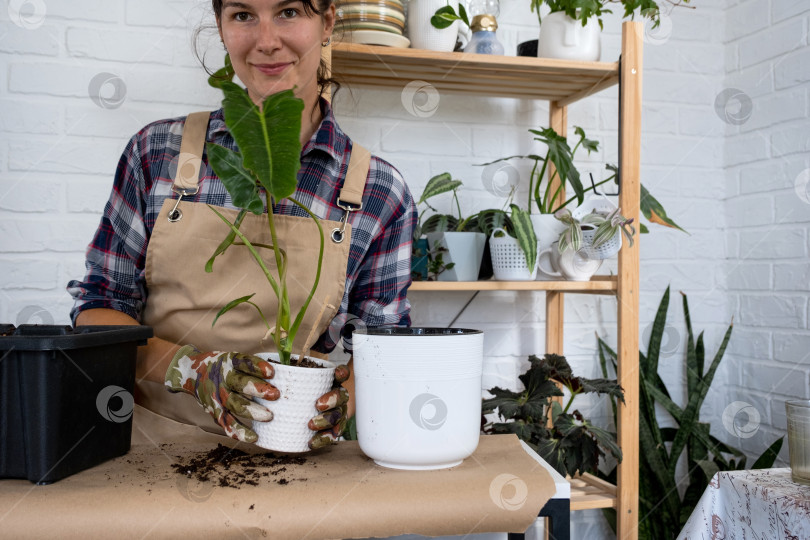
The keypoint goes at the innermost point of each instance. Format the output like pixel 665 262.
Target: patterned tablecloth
pixel 759 504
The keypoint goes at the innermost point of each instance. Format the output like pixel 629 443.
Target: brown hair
pixel 324 80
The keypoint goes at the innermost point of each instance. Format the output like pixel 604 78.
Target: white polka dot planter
pixel 299 388
pixel 418 395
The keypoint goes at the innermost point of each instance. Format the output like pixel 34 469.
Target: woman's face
pixel 274 45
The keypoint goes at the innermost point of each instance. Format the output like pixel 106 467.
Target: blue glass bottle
pixel 484 40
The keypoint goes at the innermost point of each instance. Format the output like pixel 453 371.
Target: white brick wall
pixel 731 186
pixel 767 214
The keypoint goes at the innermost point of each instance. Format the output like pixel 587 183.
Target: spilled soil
pixel 228 467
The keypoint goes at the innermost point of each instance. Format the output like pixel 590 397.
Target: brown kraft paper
pixel 337 493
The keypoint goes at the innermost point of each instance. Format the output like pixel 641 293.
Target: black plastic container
pixel 65 397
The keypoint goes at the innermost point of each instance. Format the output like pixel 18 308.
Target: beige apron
pixel 183 299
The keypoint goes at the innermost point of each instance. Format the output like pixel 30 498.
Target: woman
pixel 142 269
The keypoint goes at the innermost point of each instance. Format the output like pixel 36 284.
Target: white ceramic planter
pixel 418 395
pixel 422 34
pixel 548 229
pixel 292 411
pixel 565 38
pixel 465 249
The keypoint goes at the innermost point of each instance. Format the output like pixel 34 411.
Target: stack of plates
pixel 374 22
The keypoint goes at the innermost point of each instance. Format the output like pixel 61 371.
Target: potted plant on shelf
pixel 454 245
pixel 268 138
pixel 599 234
pixel 571 30
pixel 544 202
pixel 563 437
pixel 434 25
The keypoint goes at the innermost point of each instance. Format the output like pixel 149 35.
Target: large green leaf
pixel 267 137
pixel 659 325
pixel 440 223
pixel 524 232
pixel 440 183
pixel 240 182
pixel 560 154
pixel 653 210
pixel 689 418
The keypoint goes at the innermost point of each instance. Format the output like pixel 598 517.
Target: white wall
pixel 730 186
pixel 767 170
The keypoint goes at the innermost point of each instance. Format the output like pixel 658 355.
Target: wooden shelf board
pixel 597 285
pixel 589 492
pixel 519 76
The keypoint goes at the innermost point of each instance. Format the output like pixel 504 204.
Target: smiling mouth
pixel 272 69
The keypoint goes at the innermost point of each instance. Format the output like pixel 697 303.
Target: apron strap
pixel 187 177
pixel 356 174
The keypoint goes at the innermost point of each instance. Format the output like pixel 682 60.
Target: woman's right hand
pixel 221 382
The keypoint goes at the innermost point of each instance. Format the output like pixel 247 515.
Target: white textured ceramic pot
pixel 299 388
pixel 565 38
pixel 424 35
pixel 548 229
pixel 464 249
pixel 418 395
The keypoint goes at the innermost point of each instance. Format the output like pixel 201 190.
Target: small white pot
pixel 292 411
pixel 424 35
pixel 548 229
pixel 508 260
pixel 565 38
pixel 465 249
pixel 418 395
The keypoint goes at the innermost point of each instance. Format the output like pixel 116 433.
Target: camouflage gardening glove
pixel 222 383
pixel 330 423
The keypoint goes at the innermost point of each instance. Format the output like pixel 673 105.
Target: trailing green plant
pixel 446 15
pixel 662 510
pixel 606 227
pixel 268 138
pixel 569 443
pixel 584 10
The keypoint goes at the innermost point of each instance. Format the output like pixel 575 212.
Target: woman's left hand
pixel 330 423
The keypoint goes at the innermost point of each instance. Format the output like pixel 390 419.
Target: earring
pixel 327 42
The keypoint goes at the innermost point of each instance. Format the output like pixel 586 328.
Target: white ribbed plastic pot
pixel 418 395
pixel 299 388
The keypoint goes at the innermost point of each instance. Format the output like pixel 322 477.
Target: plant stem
pixel 281 320
pixel 563 205
pixel 537 199
pixel 531 185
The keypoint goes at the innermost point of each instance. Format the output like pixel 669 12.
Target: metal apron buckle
pixel 339 233
pixel 175 214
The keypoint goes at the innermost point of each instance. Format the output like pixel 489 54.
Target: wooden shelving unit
pixel 562 83
pixel 597 285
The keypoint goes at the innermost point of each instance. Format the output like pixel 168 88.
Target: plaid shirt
pixel 378 273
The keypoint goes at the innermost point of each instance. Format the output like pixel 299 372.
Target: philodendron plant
pixel 268 137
